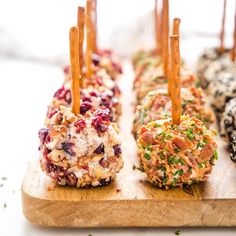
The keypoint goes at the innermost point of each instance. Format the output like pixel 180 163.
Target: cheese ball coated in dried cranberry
pixel 80 150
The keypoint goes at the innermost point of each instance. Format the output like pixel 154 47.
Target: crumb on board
pixel 177 232
pixel 118 190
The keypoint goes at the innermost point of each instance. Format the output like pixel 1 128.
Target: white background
pixel 34 46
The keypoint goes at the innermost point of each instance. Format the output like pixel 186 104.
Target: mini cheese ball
pixel 157 105
pixel 222 89
pixel 143 59
pixel 103 60
pixel 90 98
pixel 153 79
pixel 173 155
pixel 99 81
pixel 80 151
pixel 228 127
pixel 212 62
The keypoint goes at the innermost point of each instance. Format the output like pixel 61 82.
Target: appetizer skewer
pixel 176 151
pixel 80 150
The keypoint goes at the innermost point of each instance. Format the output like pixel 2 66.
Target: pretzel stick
pixel 159 32
pixel 176 23
pixel 75 71
pixel 94 25
pixel 165 51
pixel 222 33
pixel 80 25
pixel 156 23
pixel 234 40
pixel 88 39
pixel 176 83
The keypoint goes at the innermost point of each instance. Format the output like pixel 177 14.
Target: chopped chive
pixel 177 232
pixel 180 172
pixel 147 156
pixel 215 155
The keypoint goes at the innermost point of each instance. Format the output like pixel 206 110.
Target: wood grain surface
pixel 130 201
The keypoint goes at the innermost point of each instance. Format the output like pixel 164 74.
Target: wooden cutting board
pixel 130 201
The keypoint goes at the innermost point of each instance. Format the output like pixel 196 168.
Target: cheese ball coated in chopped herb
pixel 80 151
pixel 173 155
pixel 157 105
pixel 153 78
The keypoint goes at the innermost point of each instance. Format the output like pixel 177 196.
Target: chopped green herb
pixel 4 205
pixel 205 140
pixel 177 232
pixel 147 156
pixel 163 168
pixel 164 180
pixel 156 125
pixel 189 133
pixel 180 172
pixel 4 178
pixel 171 160
pixel 161 154
pixel 200 165
pixel 149 147
pixel 215 155
pixel 201 144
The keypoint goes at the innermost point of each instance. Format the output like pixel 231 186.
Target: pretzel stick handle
pixel 75 71
pixel 88 39
pixel 165 52
pixel 234 38
pixel 175 31
pixel 176 23
pixel 94 26
pixel 176 82
pixel 80 25
pixel 222 33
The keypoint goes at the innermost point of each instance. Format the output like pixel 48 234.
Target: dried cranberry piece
pixel 103 113
pixel 100 149
pixel 105 102
pixel 98 124
pixel 98 80
pixel 67 96
pixel 63 94
pixel 50 115
pixel 86 99
pixel 85 167
pixel 80 125
pixel 66 69
pixel 96 59
pixel 117 149
pixel 84 107
pixel 68 148
pixel 42 134
pixel 117 67
pixel 46 151
pixel 93 94
pixel 71 179
pixel 53 168
pixel 116 90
